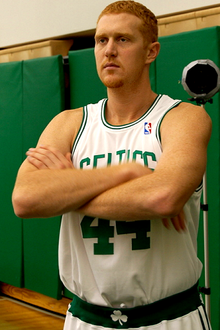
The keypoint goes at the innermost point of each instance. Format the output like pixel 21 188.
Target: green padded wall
pixel 43 92
pixel 31 94
pixel 10 158
pixel 177 51
pixel 85 86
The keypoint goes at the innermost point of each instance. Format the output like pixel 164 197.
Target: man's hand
pixel 178 222
pixel 47 157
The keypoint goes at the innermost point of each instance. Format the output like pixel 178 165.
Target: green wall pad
pixel 43 99
pixel 31 94
pixel 178 51
pixel 10 157
pixel 85 85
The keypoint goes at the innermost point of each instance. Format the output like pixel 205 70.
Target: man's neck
pixel 126 107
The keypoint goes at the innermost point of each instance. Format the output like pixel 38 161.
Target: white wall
pixel 25 21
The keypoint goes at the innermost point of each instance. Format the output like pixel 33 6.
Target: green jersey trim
pixel 81 129
pixel 158 136
pixel 200 187
pixel 119 127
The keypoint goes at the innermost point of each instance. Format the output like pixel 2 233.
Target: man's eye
pixel 101 41
pixel 123 39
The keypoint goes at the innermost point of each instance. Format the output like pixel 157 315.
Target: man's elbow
pixel 21 204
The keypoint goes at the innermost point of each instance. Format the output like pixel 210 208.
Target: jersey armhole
pixel 158 136
pixel 81 129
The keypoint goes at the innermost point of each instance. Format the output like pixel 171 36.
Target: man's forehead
pixel 118 22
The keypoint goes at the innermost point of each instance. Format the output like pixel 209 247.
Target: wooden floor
pixel 15 315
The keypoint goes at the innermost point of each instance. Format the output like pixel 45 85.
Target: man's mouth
pixel 110 65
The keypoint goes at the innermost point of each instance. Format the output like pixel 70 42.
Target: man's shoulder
pixel 68 117
pixel 191 109
pixel 70 113
pixel 63 127
pixel 190 116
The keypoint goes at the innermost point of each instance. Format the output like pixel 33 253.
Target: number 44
pixel 104 231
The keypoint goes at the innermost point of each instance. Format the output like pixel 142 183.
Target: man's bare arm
pixel 52 190
pixel 47 193
pixel 163 193
pixel 46 157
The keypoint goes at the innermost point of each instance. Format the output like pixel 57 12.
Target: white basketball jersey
pixel 114 263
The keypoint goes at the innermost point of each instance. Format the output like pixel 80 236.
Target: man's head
pixel 125 44
pixel 148 27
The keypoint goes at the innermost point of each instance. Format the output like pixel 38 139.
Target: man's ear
pixel 152 52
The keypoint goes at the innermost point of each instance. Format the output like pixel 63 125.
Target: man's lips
pixel 110 65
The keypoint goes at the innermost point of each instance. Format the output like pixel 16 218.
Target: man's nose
pixel 111 49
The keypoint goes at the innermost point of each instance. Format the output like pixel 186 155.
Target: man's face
pixel 119 50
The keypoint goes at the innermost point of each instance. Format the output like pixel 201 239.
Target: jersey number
pixel 103 232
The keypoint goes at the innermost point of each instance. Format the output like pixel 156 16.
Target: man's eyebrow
pixel 115 35
pixel 100 35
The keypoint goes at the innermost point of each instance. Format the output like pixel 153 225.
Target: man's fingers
pixel 41 155
pixel 49 157
pixel 38 164
pixel 181 220
pixel 69 158
pixel 166 223
pixel 178 222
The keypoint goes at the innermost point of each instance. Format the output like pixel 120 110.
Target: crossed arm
pixel 46 157
pixel 56 188
pixel 123 192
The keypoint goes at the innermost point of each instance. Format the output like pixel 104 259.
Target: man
pixel 126 173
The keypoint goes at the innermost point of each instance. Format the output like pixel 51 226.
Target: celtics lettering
pixel 145 157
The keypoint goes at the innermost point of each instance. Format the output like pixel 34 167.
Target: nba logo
pixel 147 128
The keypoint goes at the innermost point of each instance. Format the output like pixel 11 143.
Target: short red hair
pixel 149 27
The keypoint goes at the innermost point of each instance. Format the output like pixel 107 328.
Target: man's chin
pixel 111 82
